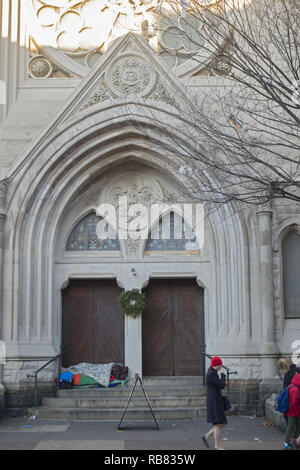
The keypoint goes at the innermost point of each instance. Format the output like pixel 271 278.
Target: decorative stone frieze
pixel 160 93
pixel 101 94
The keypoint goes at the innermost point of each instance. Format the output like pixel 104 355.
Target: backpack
pixel 63 384
pixel 282 400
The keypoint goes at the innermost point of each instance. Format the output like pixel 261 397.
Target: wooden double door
pixel 92 323
pixel 173 328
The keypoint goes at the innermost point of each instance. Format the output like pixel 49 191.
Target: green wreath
pixel 133 302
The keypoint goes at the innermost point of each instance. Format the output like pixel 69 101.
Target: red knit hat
pixel 216 361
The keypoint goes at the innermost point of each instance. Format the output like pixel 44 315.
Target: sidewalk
pixel 241 433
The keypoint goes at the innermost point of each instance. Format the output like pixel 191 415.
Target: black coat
pixel 215 406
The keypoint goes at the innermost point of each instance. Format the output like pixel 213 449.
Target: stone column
pixel 132 278
pixel 3 193
pixel 268 348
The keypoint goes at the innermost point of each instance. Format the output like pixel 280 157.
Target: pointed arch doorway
pixel 173 328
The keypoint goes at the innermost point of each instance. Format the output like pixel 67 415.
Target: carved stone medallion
pixel 130 74
pixel 40 67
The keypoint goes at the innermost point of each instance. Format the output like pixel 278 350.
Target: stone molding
pixel 3 195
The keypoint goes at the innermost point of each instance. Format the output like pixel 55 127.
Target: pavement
pixel 241 433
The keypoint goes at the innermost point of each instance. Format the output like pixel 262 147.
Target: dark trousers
pixel 293 429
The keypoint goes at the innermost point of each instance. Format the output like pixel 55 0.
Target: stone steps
pixel 118 392
pixel 115 414
pixel 140 402
pixel 171 398
pixel 172 381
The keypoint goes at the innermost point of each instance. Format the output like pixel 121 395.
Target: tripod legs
pixel 137 378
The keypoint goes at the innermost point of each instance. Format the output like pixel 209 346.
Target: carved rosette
pixel 221 65
pixel 3 195
pixel 40 67
pixel 130 74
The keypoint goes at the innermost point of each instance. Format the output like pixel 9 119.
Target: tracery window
pixel 84 237
pixel 178 236
pixel 291 274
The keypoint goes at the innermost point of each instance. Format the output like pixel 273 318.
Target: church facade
pixel 69 144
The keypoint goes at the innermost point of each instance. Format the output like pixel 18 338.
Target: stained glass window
pixel 84 237
pixel 291 274
pixel 172 234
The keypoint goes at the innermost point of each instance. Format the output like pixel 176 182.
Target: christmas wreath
pixel 133 302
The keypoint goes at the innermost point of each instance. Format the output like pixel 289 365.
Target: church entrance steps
pixel 140 402
pixel 170 398
pixel 172 380
pixel 115 414
pixel 124 393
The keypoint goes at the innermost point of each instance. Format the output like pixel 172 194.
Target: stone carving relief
pixel 140 86
pixel 130 74
pixel 160 93
pixel 137 189
pixel 40 67
pixel 221 65
pixel 74 34
pixel 101 94
pixel 132 246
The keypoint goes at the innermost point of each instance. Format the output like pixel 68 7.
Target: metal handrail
pixel 36 380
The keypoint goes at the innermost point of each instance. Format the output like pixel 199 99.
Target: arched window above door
pixel 291 274
pixel 172 234
pixel 84 237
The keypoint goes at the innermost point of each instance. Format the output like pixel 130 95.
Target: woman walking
pixel 215 404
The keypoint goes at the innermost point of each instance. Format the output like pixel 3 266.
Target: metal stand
pixel 137 378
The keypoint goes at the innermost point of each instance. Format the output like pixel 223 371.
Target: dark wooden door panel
pixel 108 332
pixel 77 333
pixel 157 340
pixel 173 328
pixel 92 323
pixel 189 329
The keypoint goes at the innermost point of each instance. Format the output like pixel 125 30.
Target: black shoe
pixel 205 441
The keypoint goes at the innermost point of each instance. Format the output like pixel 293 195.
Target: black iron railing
pixel 35 375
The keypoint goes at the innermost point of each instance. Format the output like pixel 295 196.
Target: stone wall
pixel 20 385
